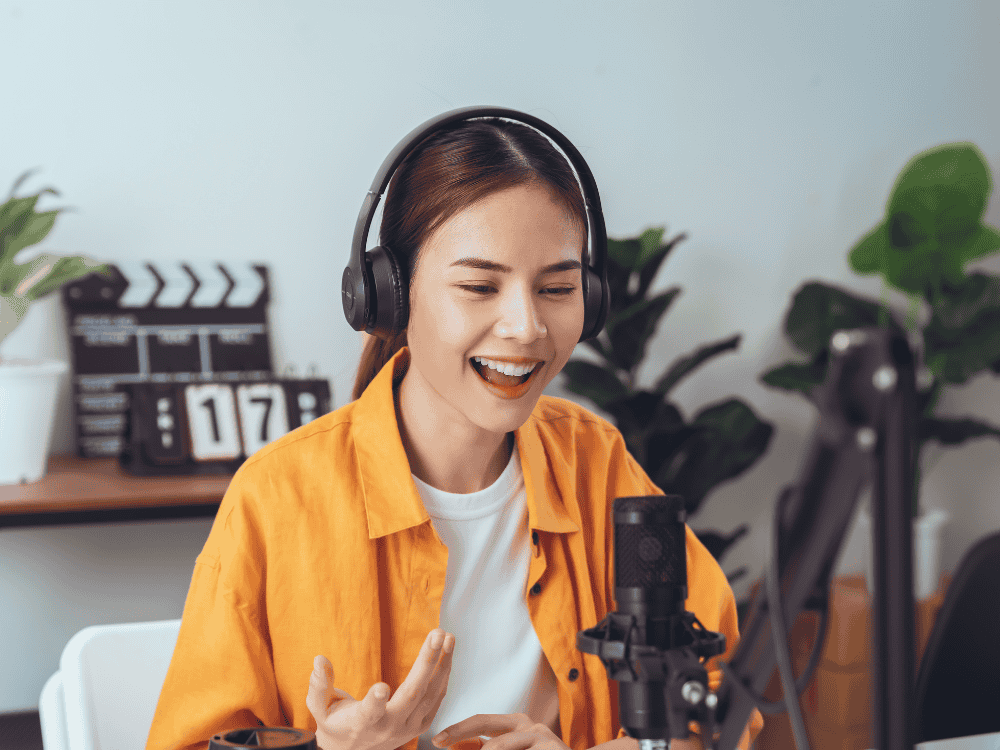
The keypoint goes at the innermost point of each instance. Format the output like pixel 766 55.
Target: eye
pixel 483 289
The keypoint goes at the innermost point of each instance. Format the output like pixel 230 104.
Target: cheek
pixel 449 317
pixel 443 325
pixel 566 323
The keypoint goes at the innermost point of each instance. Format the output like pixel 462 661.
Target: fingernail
pixel 316 663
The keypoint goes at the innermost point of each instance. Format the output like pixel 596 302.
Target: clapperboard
pixel 172 367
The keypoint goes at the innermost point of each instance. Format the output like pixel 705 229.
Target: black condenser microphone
pixel 649 645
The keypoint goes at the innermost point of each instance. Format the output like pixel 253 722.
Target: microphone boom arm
pixel 864 436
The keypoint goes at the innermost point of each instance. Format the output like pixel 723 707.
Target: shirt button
pixel 534 538
pixel 573 674
pixel 536 589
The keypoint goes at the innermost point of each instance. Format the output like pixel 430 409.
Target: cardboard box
pixel 837 703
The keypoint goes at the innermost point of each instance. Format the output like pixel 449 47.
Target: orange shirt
pixel 322 545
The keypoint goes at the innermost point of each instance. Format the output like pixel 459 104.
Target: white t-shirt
pixel 498 666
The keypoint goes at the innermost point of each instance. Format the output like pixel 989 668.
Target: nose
pixel 519 317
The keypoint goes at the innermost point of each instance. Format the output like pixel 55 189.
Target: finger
pixel 415 685
pixel 438 686
pixel 490 725
pixel 375 701
pixel 319 697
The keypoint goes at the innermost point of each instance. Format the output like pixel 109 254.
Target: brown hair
pixel 449 171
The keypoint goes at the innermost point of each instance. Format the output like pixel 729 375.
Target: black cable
pixel 777 617
pixel 778 707
pixel 766 706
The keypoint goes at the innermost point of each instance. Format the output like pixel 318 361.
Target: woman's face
pixel 483 287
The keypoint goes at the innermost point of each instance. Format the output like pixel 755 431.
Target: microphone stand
pixel 864 436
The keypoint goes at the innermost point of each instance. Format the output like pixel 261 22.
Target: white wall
pixel 770 132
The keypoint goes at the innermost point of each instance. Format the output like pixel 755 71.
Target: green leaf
pixel 798 377
pixel 686 365
pixel 636 414
pixel 732 439
pixel 975 353
pixel 15 208
pixel 32 272
pixel 651 264
pixel 963 336
pixel 954 431
pixel 664 446
pixel 978 294
pixel 32 231
pixel 649 244
pixel 625 253
pixel 64 270
pixel 600 384
pixel 818 311
pixel 630 331
pixel 618 278
pixel 19 181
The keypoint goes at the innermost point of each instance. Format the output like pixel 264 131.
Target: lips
pixel 504 386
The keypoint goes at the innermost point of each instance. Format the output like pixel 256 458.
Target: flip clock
pixel 212 427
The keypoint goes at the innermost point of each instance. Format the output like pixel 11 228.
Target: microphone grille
pixel 650 545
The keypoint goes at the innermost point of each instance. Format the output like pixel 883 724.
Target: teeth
pixel 505 367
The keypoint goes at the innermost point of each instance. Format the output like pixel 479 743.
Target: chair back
pixel 958 683
pixel 112 676
pixel 52 714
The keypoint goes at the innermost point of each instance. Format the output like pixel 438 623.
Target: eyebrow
pixel 488 265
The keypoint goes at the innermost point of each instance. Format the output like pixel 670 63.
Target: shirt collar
pixel 392 501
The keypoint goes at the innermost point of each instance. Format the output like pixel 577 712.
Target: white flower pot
pixel 927 530
pixel 28 390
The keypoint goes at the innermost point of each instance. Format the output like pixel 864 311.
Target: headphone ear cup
pixel 595 306
pixel 391 292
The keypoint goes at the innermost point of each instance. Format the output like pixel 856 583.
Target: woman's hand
pixel 377 722
pixel 508 732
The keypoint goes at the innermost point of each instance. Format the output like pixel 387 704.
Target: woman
pixel 435 545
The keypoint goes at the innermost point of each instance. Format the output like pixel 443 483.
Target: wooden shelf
pixel 97 490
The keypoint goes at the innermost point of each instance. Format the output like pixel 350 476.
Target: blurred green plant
pixel 932 229
pixel 21 284
pixel 688 458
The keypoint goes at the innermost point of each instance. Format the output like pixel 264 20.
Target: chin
pixel 491 419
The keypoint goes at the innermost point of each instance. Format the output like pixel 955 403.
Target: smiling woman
pixel 419 559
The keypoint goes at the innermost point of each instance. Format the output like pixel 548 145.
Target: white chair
pixel 104 695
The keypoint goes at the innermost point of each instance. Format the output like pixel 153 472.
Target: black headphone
pixel 379 286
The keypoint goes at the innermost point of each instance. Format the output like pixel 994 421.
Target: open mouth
pixel 493 377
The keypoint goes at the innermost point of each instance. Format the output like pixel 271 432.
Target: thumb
pixel 322 694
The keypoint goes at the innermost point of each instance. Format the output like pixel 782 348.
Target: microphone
pixel 650 576
pixel 650 645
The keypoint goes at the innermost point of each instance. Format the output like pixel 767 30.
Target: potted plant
pixel 684 457
pixel 28 387
pixel 932 229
